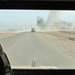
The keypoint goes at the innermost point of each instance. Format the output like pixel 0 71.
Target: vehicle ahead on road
pixel 33 30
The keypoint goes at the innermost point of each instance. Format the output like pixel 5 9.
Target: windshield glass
pixel 38 38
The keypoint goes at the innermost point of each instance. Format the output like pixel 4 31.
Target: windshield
pixel 38 38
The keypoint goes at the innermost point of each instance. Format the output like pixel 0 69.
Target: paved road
pixel 22 48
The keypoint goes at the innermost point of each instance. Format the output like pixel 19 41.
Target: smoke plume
pixel 54 22
pixel 41 23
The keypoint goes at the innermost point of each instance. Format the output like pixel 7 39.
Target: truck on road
pixel 33 30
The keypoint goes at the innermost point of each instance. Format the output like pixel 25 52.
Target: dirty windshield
pixel 38 38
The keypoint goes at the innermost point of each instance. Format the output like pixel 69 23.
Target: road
pixel 23 47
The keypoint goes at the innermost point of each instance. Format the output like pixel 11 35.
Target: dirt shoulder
pixel 6 33
pixel 63 39
pixel 63 35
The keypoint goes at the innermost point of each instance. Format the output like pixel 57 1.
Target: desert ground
pixel 64 38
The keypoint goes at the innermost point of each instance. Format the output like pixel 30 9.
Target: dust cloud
pixel 53 22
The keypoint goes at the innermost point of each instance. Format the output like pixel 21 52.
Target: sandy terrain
pixel 6 33
pixel 65 39
pixel 63 35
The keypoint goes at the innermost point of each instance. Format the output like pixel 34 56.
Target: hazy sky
pixel 25 19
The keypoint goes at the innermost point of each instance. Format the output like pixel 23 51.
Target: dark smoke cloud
pixel 54 22
pixel 52 18
pixel 41 23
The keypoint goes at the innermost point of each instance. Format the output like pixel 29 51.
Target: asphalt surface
pixel 25 47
